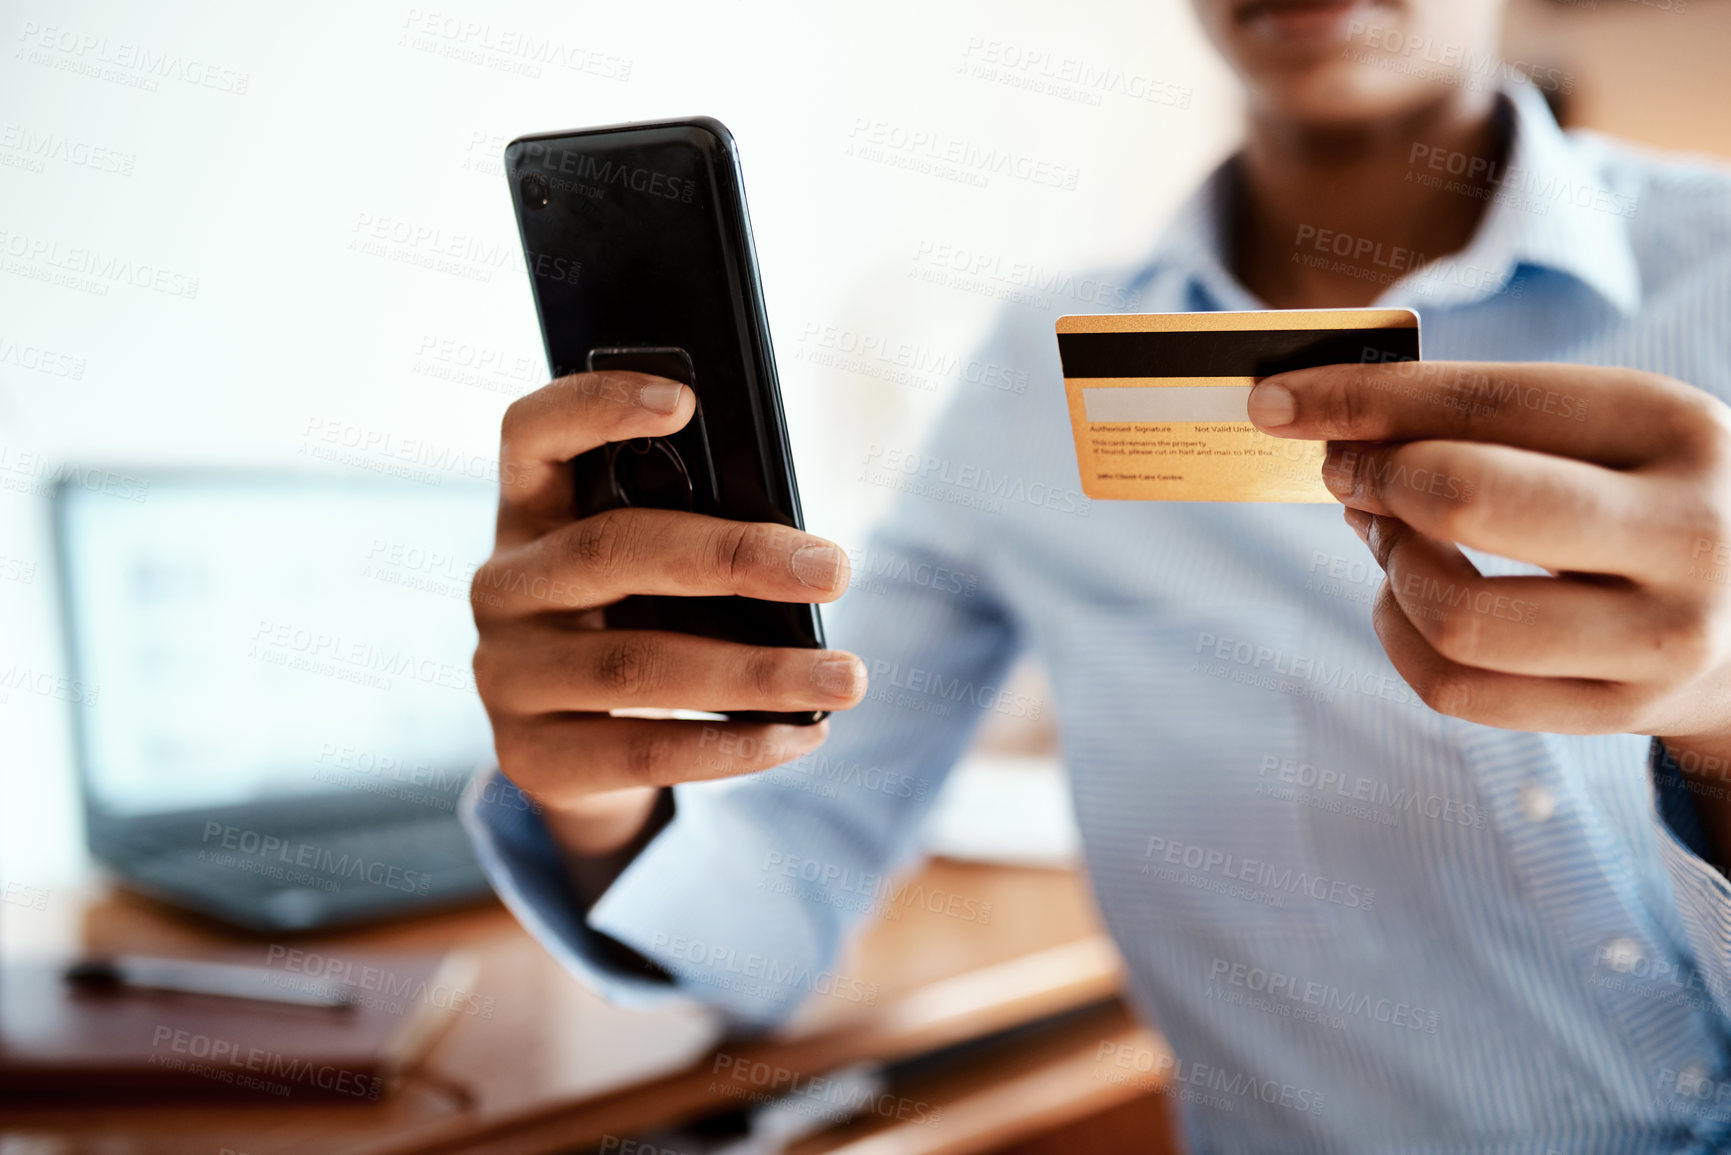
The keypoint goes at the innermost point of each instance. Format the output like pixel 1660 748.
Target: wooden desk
pixel 555 1068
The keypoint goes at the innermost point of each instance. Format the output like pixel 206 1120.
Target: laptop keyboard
pixel 313 876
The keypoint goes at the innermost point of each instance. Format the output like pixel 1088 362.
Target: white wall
pixel 264 138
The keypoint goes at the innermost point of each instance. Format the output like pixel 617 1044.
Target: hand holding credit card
pixel 1157 400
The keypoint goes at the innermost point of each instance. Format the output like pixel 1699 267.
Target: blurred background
pixel 296 238
pixel 296 197
pixel 277 240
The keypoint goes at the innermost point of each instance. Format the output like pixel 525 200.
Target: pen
pixel 223 980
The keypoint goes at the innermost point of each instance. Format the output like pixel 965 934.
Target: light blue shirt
pixel 1361 925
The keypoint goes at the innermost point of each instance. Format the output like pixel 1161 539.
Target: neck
pixel 1330 217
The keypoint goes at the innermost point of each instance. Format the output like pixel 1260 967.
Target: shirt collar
pixel 1551 210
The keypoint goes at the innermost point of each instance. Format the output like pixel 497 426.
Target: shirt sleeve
pixel 745 895
pixel 521 861
pixel 1703 894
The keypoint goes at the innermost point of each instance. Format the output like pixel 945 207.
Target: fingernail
pixel 818 566
pixel 791 742
pixel 1337 474
pixel 838 674
pixel 661 396
pixel 1272 406
pixel 1360 523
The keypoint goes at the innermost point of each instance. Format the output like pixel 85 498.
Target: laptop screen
pixel 238 638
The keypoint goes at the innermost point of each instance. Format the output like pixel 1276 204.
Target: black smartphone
pixel 639 252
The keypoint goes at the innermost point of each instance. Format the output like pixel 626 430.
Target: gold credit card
pixel 1157 400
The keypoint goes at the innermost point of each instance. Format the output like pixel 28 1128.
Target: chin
pixel 1335 62
pixel 1343 94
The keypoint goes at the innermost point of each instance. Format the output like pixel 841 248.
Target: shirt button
pixel 1623 954
pixel 1538 801
pixel 1691 1077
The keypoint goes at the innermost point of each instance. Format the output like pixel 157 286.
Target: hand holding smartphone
pixel 649 549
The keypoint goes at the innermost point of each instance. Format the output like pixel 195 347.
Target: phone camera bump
pixel 533 188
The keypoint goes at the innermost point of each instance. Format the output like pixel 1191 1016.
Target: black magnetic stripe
pixel 1230 352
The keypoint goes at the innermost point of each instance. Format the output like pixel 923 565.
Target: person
pixel 1424 860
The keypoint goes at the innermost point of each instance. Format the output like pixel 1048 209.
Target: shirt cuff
pixel 707 901
pixel 523 864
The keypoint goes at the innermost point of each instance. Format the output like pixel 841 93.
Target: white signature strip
pixel 1167 403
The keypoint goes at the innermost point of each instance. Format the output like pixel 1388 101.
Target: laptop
pixel 272 703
